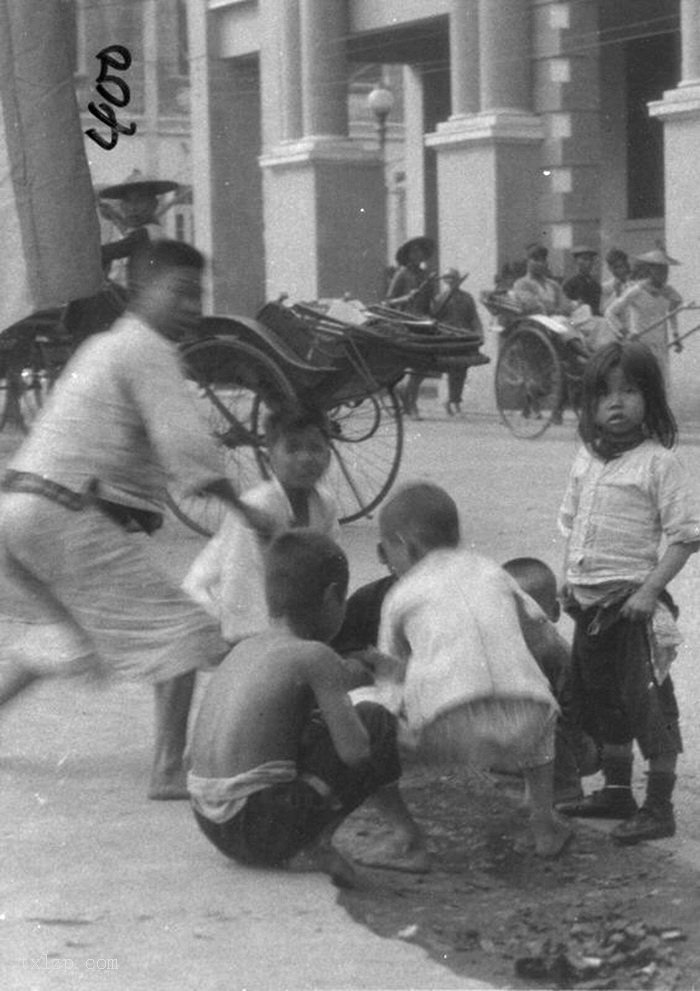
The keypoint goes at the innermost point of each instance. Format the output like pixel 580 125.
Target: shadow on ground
pixel 600 916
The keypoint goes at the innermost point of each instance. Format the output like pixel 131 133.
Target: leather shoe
pixel 649 823
pixel 607 803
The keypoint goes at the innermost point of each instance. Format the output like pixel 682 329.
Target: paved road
pixel 94 873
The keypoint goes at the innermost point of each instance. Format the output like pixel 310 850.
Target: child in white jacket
pixel 464 637
pixel 227 577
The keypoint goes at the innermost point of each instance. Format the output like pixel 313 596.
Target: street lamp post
pixel 380 101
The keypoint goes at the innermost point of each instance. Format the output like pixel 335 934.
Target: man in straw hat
pixel 457 308
pixel 136 216
pixel 647 308
pixel 411 289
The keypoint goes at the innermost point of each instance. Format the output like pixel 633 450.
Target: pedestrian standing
pixel 646 308
pixel 618 263
pixel 118 424
pixel 457 308
pixel 583 287
pixel 631 524
pixel 411 290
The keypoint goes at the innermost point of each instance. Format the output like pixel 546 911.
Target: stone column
pixel 566 96
pixel 289 54
pixel 488 152
pixel 464 57
pixel 323 67
pixel 505 50
pixel 690 43
pixel 317 182
pixel 679 110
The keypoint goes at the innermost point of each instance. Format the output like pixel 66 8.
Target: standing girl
pixel 631 525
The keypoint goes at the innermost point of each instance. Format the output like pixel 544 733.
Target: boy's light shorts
pixel 80 593
pixel 504 734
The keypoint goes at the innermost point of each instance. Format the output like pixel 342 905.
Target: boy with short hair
pixel 467 686
pixel 227 577
pixel 271 777
pixel 576 754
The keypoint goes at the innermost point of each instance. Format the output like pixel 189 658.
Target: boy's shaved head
pixel 538 580
pixel 299 567
pixel 424 513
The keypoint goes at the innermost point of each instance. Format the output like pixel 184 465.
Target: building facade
pixel 154 33
pixel 555 120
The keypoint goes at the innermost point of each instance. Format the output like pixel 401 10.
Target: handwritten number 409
pixel 115 91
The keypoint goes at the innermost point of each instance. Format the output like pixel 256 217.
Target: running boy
pixel 271 776
pixel 227 577
pixel 466 684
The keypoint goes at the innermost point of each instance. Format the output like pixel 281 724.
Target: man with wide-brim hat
pixel 456 307
pixel 583 287
pixel 425 245
pixel 656 257
pixel 136 216
pixel 647 309
pixel 411 290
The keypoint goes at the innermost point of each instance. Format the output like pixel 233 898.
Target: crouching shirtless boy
pixel 279 754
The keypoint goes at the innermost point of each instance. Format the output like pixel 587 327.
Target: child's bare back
pixel 265 693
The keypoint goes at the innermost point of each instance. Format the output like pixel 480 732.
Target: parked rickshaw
pixel 239 368
pixel 539 370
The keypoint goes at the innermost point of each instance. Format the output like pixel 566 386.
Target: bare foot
pixel 397 856
pixel 551 836
pixel 326 860
pixel 168 787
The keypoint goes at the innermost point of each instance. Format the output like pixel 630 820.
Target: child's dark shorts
pixel 277 822
pixel 615 686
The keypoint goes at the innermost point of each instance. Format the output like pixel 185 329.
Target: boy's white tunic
pixel 227 577
pixel 457 626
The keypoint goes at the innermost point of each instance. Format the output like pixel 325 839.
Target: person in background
pixel 536 291
pixel 411 290
pixel 135 216
pixel 583 287
pixel 618 263
pixel 457 308
pixel 646 308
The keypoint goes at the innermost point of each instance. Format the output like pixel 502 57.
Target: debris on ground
pixel 600 916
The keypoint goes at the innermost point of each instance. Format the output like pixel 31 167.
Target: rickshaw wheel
pixel 366 448
pixel 234 385
pixel 367 443
pixel 528 381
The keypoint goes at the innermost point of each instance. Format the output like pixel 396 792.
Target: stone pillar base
pixel 489 182
pixel 325 231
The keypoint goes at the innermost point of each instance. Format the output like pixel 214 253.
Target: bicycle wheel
pixel 528 381
pixel 367 443
pixel 233 385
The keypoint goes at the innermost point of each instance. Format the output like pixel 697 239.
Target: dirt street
pixel 94 873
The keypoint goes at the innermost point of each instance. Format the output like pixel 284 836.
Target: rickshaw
pixel 539 370
pixel 344 357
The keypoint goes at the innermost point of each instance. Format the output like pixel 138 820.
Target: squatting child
pixel 227 577
pixel 576 755
pixel 279 755
pixel 466 684
pixel 632 523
